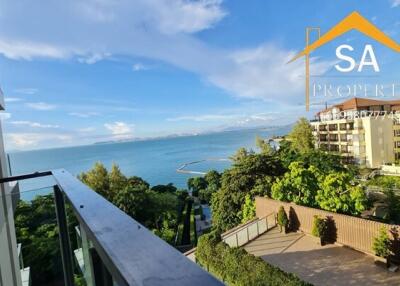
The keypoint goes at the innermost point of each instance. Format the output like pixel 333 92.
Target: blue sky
pixel 78 72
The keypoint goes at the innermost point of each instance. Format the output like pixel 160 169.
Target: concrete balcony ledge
pixel 26 276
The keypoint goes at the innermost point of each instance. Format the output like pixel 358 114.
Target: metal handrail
pixel 122 250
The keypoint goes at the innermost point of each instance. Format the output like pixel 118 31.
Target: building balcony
pixel 114 248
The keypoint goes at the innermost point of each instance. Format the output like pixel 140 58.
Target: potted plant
pixel 282 219
pixel 320 228
pixel 381 245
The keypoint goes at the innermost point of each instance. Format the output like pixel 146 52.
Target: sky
pixel 79 72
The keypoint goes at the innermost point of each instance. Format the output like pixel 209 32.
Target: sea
pixel 155 160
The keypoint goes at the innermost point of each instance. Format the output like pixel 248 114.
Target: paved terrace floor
pixel 320 265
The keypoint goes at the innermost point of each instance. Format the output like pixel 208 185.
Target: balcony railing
pixel 116 249
pixel 244 233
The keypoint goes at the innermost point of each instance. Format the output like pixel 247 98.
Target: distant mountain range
pixel 225 129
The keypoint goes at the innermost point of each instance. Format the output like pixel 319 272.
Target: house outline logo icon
pixel 354 21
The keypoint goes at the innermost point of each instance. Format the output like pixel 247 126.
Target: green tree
pixel 240 154
pixel 262 186
pixel 323 161
pixel 135 181
pixel 301 136
pixel 132 200
pixel 381 244
pixel 97 179
pixel 338 195
pixel 213 179
pixel 393 206
pixel 117 180
pixel 196 184
pixel 249 209
pixel 206 194
pixel 170 188
pixel 298 185
pixel 264 146
pixel 166 231
pixel 237 182
pixel 287 154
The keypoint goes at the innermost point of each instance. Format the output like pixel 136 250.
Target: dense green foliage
pixel 249 209
pixel 236 267
pixel 296 172
pixel 204 187
pixel 196 184
pixel 250 173
pixel 264 146
pixel 309 186
pixel 323 161
pixel 36 229
pixel 157 208
pixel 385 182
pixel 338 195
pixel 282 219
pixel 298 185
pixel 390 186
pixel 381 244
pixel 301 136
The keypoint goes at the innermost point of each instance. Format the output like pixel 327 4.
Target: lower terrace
pixel 320 265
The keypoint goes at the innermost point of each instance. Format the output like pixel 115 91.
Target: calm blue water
pixel 155 161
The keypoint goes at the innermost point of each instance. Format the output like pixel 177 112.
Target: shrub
pixel 320 227
pixel 381 244
pixel 236 267
pixel 282 218
pixel 249 209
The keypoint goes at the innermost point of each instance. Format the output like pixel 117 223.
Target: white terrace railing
pixel 248 231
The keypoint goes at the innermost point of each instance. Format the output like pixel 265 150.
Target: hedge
pixel 235 266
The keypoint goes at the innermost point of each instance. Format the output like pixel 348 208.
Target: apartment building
pixel 363 131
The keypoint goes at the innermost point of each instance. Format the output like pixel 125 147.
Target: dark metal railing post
pixel 66 254
pixel 102 276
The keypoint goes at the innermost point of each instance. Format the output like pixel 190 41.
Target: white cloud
pixel 186 16
pixel 83 114
pixel 395 3
pixel 30 139
pixel 26 90
pixel 139 67
pixel 120 130
pixel 98 28
pixel 41 106
pixel 160 30
pixel 263 72
pixel 33 124
pixel 28 50
pixel 93 58
pixel 12 99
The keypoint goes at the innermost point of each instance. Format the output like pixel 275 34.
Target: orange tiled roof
pixel 357 102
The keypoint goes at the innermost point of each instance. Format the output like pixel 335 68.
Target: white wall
pixel 379 141
pixel 10 274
